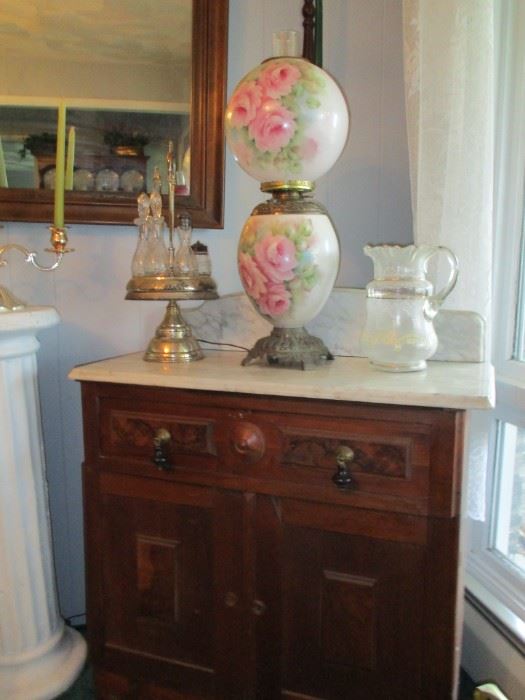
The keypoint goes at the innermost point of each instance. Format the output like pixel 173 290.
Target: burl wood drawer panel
pixel 129 430
pixel 250 441
pixel 387 456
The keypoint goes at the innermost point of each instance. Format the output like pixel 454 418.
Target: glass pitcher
pixel 399 334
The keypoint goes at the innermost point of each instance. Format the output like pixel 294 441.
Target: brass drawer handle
pixel 160 443
pixel 342 477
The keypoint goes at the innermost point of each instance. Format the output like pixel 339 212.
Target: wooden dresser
pixel 255 533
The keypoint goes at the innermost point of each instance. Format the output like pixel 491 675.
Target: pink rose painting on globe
pixel 244 104
pixel 276 264
pixel 287 120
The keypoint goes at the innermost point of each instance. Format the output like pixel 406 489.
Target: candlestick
pixel 70 158
pixel 3 172
pixel 60 167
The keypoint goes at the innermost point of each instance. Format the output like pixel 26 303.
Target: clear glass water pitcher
pixel 399 333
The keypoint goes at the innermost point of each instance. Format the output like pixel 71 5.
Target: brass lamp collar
pixel 288 186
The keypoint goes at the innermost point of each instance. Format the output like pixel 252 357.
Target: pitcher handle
pixel 438 298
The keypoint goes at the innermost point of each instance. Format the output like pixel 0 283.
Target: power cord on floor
pixel 69 620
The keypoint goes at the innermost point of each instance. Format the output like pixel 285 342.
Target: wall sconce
pixel 58 239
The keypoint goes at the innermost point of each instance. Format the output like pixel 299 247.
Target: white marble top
pixel 231 319
pixel 461 385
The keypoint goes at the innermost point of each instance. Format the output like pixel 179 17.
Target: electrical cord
pixel 229 345
pixel 241 347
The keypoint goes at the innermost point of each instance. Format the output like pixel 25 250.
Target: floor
pixel 83 688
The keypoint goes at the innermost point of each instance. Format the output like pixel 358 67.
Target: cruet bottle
pixel 156 258
pixel 185 262
pixel 137 262
pixel 401 304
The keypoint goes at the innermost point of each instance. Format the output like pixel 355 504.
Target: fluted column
pixel 39 656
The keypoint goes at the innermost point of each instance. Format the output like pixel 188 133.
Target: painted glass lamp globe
pixel 286 125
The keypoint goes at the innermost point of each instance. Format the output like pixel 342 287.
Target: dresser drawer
pixel 267 444
pixel 384 457
pixel 156 438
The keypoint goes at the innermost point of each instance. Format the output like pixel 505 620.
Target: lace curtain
pixel 449 88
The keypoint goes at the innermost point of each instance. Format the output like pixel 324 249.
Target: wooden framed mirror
pixel 196 121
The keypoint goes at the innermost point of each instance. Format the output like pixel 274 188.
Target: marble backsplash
pixel 231 319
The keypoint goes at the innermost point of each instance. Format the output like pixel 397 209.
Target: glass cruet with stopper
pixel 137 262
pixel 185 262
pixel 156 259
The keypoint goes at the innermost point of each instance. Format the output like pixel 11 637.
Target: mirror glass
pixel 127 73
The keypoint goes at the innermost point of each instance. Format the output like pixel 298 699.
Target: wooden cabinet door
pixel 352 604
pixel 154 553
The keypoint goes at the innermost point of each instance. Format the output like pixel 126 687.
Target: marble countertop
pixel 464 385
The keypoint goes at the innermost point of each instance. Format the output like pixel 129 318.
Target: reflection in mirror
pixel 114 150
pixel 128 72
pixel 75 53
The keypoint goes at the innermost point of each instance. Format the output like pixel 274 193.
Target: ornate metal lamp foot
pixel 173 340
pixel 289 347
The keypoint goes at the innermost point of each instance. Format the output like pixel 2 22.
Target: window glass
pixel 508 537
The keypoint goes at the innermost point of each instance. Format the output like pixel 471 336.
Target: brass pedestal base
pixel 173 340
pixel 289 347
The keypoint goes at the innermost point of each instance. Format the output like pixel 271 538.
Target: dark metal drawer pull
pixel 160 443
pixel 342 478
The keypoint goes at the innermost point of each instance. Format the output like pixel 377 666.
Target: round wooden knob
pixel 247 440
pixel 231 599
pixel 258 607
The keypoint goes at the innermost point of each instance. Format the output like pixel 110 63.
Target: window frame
pixel 489 577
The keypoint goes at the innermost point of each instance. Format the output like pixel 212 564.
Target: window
pixel 508 532
pixel 496 561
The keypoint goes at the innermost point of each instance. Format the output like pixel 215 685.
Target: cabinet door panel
pixel 352 621
pixel 157 578
pixel 150 585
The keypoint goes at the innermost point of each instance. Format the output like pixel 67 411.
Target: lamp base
pixel 289 347
pixel 173 340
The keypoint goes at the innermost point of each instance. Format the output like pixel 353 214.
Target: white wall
pixel 367 194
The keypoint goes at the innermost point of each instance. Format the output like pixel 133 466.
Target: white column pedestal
pixel 39 656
